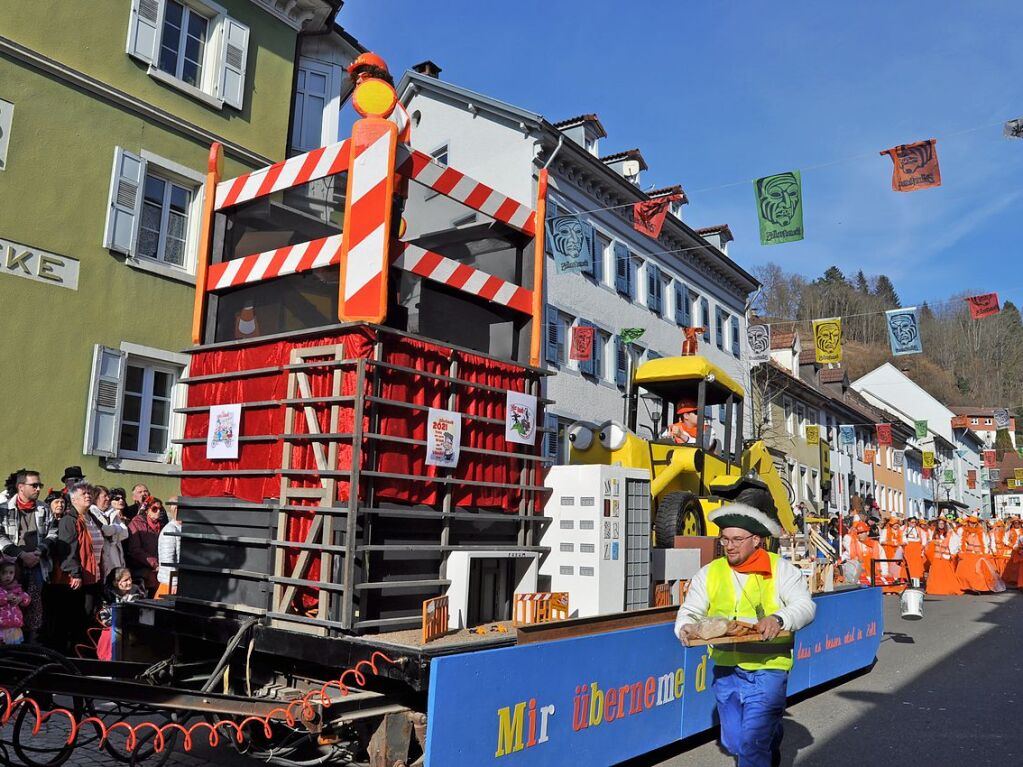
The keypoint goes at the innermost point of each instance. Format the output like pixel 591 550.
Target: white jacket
pixel 168 548
pixel 797 608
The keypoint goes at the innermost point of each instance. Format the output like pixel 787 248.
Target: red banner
pixel 927 473
pixel 983 306
pixel 884 433
pixel 990 459
pixel 915 166
pixel 582 344
pixel 971 479
pixel 648 216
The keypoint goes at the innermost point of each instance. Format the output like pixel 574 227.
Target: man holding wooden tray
pixel 760 600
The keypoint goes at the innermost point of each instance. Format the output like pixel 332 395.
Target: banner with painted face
pixel 571 241
pixel 1001 418
pixel 928 459
pixel 995 475
pixel 813 435
pixel 780 207
pixel 949 477
pixel 759 339
pixel 869 454
pixel 915 166
pixel 827 340
pixel 971 479
pixel 898 458
pixel 581 349
pixel 920 427
pixel 847 436
pixel 884 433
pixel 1018 474
pixel 927 473
pixel 904 331
pixel 990 459
pixel 983 306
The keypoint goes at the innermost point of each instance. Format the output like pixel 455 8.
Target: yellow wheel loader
pixel 686 480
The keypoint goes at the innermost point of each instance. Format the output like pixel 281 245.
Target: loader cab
pixel 665 383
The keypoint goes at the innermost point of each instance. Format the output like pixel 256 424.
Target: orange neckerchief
pixel 759 563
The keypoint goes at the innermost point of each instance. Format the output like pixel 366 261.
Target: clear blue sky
pixel 717 93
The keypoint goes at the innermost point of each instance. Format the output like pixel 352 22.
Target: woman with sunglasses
pixel 143 548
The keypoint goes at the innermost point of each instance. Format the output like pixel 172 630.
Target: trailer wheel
pixel 678 513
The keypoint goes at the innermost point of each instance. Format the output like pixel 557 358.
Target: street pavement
pixel 945 690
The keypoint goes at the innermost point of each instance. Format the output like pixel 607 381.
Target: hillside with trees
pixel 964 362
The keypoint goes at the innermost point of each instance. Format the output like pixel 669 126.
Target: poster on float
pixel 223 431
pixel 443 438
pixel 520 418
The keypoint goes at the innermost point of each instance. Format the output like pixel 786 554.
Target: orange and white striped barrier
pixel 435 618
pixel 455 274
pixel 541 607
pixel 468 191
pixel 295 171
pixel 662 595
pixel 290 259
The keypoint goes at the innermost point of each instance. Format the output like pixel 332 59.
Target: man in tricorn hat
pixel 749 584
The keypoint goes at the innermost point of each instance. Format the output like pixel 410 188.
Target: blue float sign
pixel 605 698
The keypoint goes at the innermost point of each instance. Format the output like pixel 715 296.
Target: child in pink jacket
pixel 12 599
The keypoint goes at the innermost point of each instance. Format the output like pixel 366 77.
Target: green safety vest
pixel 758 592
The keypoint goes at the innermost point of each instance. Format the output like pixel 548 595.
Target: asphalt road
pixel 946 690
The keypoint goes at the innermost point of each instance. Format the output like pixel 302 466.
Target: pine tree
pixel 885 292
pixel 861 283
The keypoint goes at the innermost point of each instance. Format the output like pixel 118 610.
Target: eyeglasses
pixel 33 484
pixel 726 542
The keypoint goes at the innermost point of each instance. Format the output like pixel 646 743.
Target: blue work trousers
pixel 750 707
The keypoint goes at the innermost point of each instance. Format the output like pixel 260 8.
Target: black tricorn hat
pixel 72 472
pixel 747 518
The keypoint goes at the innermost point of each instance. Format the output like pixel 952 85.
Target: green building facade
pixel 107 112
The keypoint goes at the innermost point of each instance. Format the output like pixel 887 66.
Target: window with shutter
pixel 550 437
pixel 705 318
pixel 103 417
pixel 621 362
pixel 600 341
pixel 600 246
pixel 719 329
pixel 193 46
pixel 553 345
pixel 622 269
pixel 654 290
pixel 736 345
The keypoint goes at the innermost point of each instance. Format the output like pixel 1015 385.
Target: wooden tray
pixel 716 641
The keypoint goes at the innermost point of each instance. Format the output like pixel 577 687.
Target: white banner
pixel 443 438
pixel 520 418
pixel 223 431
pixel 759 339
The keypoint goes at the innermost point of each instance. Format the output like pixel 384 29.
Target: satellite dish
pixel 630 168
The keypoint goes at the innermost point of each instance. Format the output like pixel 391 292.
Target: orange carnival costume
pixel 915 538
pixel 863 550
pixel 1001 551
pixel 940 553
pixel 892 539
pixel 976 569
pixel 1014 541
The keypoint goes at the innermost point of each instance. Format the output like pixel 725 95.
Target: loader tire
pixel 678 513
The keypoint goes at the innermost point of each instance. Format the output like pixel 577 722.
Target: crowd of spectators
pixel 67 556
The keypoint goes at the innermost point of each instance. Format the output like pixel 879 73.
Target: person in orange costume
pixel 915 538
pixel 892 540
pixel 683 431
pixel 976 569
pixel 941 556
pixel 1012 539
pixel 1001 552
pixel 858 545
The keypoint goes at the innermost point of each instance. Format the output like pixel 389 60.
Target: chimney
pixel 427 68
pixel 628 164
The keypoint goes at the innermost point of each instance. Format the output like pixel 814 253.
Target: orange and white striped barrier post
pixel 540 607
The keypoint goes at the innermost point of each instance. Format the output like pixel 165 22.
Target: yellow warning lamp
pixel 402 226
pixel 374 98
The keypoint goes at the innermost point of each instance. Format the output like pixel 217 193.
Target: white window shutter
pixel 106 390
pixel 234 56
pixel 144 29
pixel 125 202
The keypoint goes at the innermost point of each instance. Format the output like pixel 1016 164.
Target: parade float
pixel 378 567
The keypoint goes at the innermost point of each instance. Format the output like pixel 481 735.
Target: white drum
pixel 912 604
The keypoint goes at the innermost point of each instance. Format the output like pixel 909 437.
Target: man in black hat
pixel 72 476
pixel 749 584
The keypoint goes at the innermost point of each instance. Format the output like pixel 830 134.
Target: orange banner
pixel 916 166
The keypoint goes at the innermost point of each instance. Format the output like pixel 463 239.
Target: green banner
pixel 631 335
pixel 921 429
pixel 950 476
pixel 780 207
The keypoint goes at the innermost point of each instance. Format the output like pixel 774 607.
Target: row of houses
pixel 792 392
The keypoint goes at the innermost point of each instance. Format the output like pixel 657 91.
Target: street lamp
pixel 653 405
